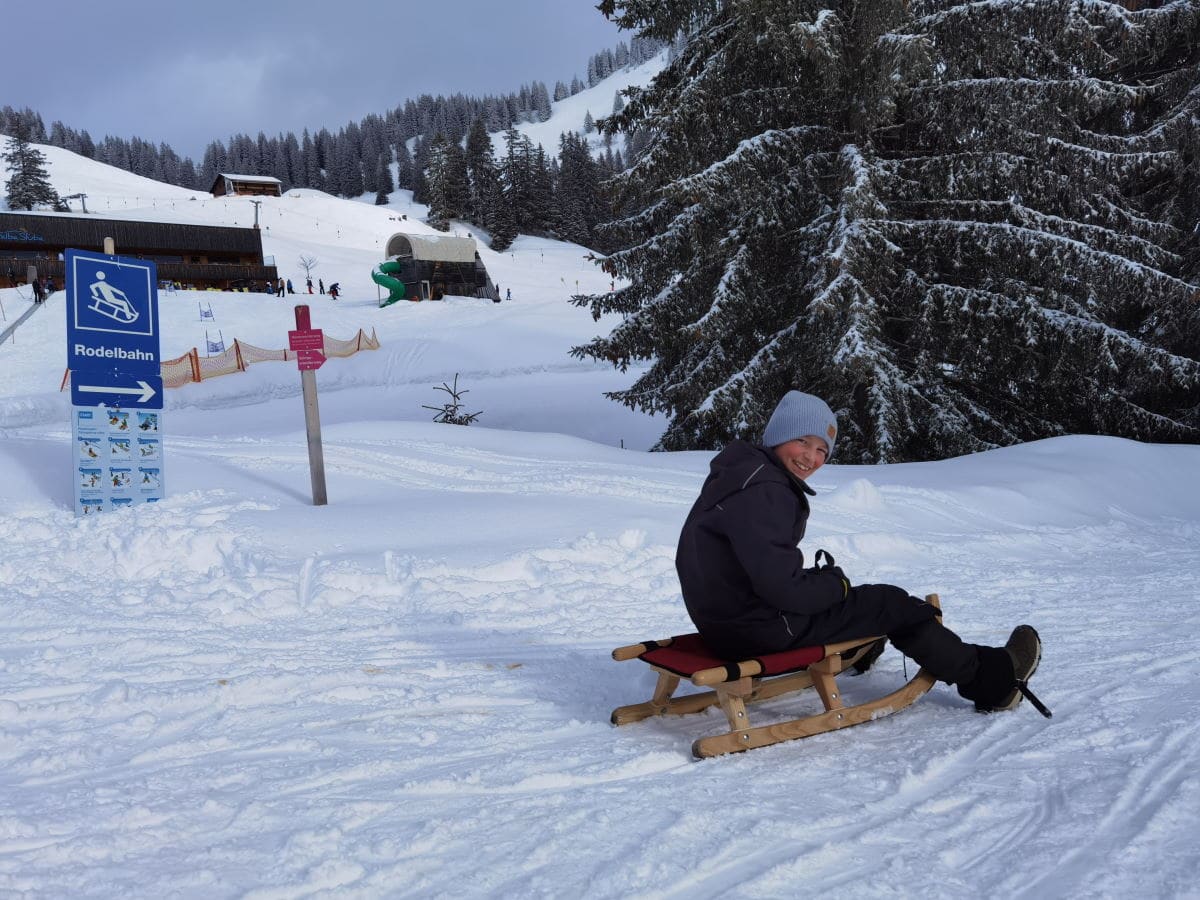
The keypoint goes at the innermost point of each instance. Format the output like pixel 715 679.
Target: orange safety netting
pixel 193 367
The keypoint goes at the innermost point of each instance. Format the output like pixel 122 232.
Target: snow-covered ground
pixel 405 693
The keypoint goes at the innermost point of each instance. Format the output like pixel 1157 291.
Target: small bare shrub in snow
pixel 450 412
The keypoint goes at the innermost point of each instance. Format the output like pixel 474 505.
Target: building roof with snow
pixel 229 184
pixel 432 247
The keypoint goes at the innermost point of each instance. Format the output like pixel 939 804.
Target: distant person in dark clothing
pixel 333 291
pixel 12 277
pixel 309 282
pixel 291 290
pixel 320 285
pixel 37 291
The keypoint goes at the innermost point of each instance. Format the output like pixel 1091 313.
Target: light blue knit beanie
pixel 799 414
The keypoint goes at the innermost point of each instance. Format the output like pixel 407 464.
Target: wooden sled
pixel 734 684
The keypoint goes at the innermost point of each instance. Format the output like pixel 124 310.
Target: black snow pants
pixel 915 630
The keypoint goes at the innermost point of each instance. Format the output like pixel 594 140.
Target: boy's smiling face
pixel 803 456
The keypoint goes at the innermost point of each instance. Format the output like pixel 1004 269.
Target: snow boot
pixel 1024 652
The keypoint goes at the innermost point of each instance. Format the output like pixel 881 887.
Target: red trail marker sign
pixel 308 342
pixel 309 360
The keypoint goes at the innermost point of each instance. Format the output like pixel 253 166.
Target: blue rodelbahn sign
pixel 116 380
pixel 112 315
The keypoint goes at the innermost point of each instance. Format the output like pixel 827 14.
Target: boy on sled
pixel 749 593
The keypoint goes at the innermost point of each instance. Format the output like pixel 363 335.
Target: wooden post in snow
pixel 308 342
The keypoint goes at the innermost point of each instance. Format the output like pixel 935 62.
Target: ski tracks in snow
pixel 179 699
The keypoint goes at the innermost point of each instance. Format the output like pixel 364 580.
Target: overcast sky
pixel 189 73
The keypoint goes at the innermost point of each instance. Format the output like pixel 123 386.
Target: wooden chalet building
pixel 195 256
pixel 230 185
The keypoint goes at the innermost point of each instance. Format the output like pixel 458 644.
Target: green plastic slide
pixel 383 274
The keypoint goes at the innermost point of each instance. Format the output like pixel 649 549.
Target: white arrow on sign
pixel 145 390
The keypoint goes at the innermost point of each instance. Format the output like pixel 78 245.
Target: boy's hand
pixel 842 576
pixel 830 566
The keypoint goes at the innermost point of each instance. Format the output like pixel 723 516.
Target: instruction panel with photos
pixel 118 458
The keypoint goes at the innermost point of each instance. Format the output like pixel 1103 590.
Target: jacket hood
pixel 739 466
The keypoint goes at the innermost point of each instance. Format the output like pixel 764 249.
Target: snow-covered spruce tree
pixel 540 197
pixel 404 167
pixel 755 257
pixel 1036 205
pixel 949 223
pixel 347 174
pixel 507 196
pixel 540 97
pixel 420 159
pixel 528 184
pixel 516 174
pixel 29 186
pixel 482 176
pixel 383 180
pixel 577 192
pixel 310 163
pixel 446 177
pixel 504 222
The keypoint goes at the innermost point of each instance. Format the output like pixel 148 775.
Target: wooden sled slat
pixel 831 720
pixel 735 684
pixel 692 703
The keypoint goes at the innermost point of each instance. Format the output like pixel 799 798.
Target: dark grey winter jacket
pixel 742 574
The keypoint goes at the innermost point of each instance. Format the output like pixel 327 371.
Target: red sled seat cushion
pixel 687 654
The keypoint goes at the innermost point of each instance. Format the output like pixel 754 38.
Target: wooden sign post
pixel 308 342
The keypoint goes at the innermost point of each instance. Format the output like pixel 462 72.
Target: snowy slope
pixel 406 693
pixel 423 344
pixel 569 113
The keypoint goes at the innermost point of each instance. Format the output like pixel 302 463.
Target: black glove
pixel 830 565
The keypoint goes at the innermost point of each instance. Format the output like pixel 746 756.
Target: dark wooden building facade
pixel 227 184
pixel 195 256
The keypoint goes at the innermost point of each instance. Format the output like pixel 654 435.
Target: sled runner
pixel 734 684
